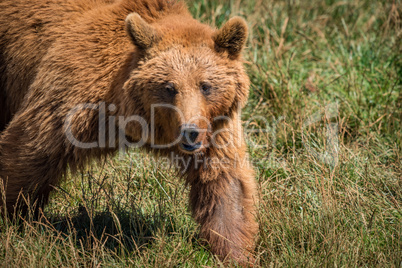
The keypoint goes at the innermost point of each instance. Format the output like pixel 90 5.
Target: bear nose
pixel 190 132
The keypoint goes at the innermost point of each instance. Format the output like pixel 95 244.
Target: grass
pixel 326 83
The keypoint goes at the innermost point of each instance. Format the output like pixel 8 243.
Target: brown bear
pixel 84 78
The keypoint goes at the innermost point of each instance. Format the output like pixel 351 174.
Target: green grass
pixel 338 62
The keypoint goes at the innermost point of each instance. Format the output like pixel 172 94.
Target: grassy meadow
pixel 326 91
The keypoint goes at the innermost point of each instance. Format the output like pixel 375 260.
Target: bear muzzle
pixel 191 138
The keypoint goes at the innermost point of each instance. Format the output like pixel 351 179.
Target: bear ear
pixel 142 34
pixel 231 37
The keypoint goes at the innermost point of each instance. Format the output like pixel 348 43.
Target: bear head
pixel 188 80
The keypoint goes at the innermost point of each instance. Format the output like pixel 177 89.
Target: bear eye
pixel 205 87
pixel 169 87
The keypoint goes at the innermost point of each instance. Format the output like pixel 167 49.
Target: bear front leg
pixel 223 203
pixel 28 166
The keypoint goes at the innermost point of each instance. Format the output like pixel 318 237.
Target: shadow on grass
pixel 123 230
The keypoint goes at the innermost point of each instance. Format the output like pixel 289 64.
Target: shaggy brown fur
pixel 131 54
